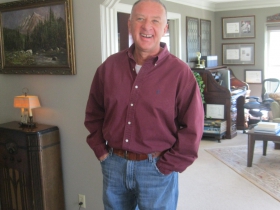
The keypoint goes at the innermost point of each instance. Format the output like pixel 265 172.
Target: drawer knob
pixel 11 147
pixel 12 150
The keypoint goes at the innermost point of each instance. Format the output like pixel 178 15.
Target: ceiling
pixel 223 5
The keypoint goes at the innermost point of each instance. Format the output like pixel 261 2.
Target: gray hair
pixel 158 1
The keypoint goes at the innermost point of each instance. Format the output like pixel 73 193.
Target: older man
pixel 145 117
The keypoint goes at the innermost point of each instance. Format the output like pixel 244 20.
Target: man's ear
pixel 165 29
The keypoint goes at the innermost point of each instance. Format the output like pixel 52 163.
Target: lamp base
pixel 29 124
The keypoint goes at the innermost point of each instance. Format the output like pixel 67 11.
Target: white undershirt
pixel 137 68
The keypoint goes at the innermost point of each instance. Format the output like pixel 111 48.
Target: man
pixel 145 117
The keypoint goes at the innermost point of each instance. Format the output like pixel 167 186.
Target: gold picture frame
pixel 37 37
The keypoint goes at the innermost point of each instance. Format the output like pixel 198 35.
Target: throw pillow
pixel 275 96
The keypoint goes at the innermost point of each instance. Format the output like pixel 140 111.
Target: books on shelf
pixel 215 126
pixel 267 127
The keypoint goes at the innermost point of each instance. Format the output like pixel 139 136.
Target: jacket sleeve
pixel 94 115
pixel 190 121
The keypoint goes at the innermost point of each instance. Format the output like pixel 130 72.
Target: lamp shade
pixel 21 102
pixel 28 102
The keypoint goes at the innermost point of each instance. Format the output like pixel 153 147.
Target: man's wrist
pixel 103 157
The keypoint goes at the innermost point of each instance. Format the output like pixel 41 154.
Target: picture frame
pixel 37 38
pixel 215 111
pixel 238 54
pixel 238 27
pixel 253 76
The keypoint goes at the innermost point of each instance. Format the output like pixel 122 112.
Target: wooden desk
pixel 233 103
pixel 254 136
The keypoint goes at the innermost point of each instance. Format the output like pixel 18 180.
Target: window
pixel 272 61
pixel 272 68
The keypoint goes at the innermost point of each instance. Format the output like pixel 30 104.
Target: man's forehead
pixel 144 15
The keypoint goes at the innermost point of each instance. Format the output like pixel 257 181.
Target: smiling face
pixel 147 24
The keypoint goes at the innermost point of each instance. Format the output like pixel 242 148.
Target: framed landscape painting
pixel 37 38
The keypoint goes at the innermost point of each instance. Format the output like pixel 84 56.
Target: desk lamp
pixel 26 103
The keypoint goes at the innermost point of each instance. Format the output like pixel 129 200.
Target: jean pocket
pixel 156 168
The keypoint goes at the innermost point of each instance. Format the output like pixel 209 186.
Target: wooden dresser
pixel 233 103
pixel 30 168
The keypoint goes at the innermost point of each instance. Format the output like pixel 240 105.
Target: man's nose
pixel 147 24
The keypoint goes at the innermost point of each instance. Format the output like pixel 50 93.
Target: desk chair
pixel 256 107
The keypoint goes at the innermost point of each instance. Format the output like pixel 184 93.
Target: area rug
pixel 265 171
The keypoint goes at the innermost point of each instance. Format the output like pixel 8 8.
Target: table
pixel 254 136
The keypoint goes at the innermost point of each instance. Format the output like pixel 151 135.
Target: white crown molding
pixel 202 4
pixel 215 7
pixel 247 5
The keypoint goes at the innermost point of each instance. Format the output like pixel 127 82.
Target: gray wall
pixel 259 40
pixel 63 98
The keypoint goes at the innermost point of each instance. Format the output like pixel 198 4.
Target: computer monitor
pixel 224 78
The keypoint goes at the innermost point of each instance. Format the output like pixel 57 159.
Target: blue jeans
pixel 133 185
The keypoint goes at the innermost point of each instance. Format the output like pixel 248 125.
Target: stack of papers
pixel 267 127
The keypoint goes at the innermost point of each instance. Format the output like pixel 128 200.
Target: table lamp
pixel 26 103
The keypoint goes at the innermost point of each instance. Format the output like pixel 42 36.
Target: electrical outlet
pixel 82 198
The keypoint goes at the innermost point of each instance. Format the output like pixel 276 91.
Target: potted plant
pixel 201 84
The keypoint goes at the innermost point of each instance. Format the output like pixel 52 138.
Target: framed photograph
pixel 238 27
pixel 238 54
pixel 37 37
pixel 253 76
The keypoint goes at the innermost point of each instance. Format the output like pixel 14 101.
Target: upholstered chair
pixel 275 112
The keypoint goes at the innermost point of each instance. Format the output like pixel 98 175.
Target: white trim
pixel 125 8
pixel 228 5
pixel 109 39
pixel 177 34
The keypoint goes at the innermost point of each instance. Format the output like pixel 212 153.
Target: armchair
pixel 256 107
pixel 275 112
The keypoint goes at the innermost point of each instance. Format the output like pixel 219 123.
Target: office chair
pixel 256 107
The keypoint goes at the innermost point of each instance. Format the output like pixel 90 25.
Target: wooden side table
pixel 254 136
pixel 30 168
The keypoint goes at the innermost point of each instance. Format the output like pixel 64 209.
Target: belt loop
pixel 150 157
pixel 125 154
pixel 111 151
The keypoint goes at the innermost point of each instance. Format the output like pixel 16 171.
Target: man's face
pixel 147 25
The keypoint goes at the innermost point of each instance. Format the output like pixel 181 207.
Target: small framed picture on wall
pixel 253 76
